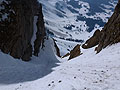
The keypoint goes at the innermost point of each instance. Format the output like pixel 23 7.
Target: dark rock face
pixel 75 52
pixel 93 41
pixel 57 49
pixel 40 34
pixel 16 27
pixel 110 33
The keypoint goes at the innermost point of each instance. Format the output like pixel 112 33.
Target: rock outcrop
pixel 16 28
pixel 93 41
pixel 75 52
pixel 40 34
pixel 110 34
pixel 57 49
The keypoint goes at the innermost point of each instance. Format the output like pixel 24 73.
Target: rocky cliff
pixel 109 35
pixel 16 28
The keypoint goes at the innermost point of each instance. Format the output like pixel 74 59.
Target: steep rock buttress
pixel 16 28
pixel 109 35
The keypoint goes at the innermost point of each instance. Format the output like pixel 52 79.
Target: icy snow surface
pixel 86 72
pixel 16 71
pixel 48 72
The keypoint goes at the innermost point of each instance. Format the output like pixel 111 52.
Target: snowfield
pixel 90 71
pixel 76 18
pixel 65 20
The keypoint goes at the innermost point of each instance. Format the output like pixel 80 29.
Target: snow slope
pixel 76 18
pixel 14 71
pixel 86 72
pixel 48 72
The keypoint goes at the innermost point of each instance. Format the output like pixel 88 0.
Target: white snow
pixel 56 24
pixel 13 71
pixel 89 71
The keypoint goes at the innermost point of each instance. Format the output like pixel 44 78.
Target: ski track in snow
pixel 86 72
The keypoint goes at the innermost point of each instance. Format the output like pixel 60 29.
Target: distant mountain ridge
pixel 76 18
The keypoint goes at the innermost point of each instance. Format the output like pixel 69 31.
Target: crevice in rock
pixel 16 28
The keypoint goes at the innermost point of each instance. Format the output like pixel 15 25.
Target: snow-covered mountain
pixel 69 22
pixel 86 72
pixel 74 19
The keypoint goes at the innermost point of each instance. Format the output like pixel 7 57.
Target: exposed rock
pixel 16 30
pixel 110 34
pixel 40 34
pixel 93 41
pixel 28 53
pixel 111 31
pixel 75 52
pixel 66 55
pixel 57 49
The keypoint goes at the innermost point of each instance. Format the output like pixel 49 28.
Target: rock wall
pixel 75 52
pixel 16 28
pixel 57 49
pixel 93 41
pixel 110 33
